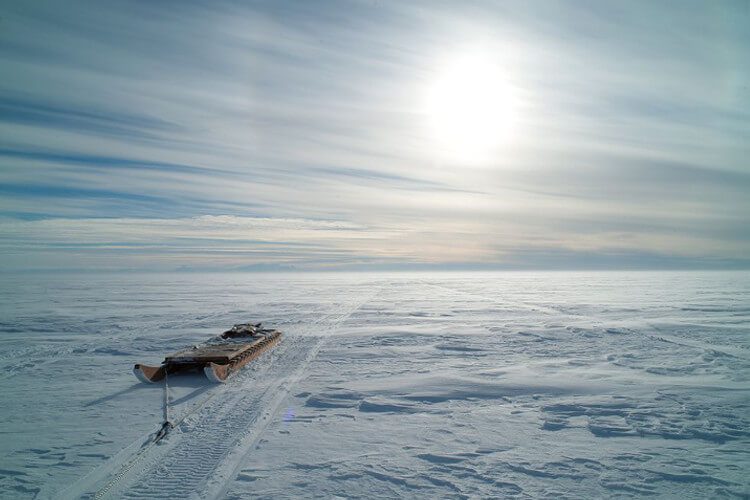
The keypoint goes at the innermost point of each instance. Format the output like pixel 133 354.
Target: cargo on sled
pixel 218 359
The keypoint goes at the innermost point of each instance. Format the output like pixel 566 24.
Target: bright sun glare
pixel 470 109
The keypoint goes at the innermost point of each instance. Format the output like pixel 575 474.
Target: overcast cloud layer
pixel 253 135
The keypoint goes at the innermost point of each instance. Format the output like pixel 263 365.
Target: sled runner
pixel 218 360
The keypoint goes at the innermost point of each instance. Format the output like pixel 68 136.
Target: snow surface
pixel 385 385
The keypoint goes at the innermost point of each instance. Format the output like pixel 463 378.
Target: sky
pixel 320 135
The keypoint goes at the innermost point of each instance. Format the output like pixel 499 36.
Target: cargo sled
pixel 218 359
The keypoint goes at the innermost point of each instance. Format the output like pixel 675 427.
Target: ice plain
pixel 455 385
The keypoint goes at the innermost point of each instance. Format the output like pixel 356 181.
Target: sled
pixel 219 360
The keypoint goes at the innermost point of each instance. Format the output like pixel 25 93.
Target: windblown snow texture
pixel 423 385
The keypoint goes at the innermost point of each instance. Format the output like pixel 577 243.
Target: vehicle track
pixel 503 302
pixel 223 478
pixel 202 442
pixel 695 344
pixel 206 451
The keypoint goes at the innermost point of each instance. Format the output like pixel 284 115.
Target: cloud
pixel 229 134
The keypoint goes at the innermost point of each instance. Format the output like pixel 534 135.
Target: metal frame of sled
pixel 217 361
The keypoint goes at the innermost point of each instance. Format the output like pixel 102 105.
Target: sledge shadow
pixel 134 387
pixel 185 382
pixel 197 382
pixel 193 394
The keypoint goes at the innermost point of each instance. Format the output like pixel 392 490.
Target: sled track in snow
pixel 736 352
pixel 500 301
pixel 205 452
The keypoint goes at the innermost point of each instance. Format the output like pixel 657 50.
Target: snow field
pixel 421 385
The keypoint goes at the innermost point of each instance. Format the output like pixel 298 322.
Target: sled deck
pixel 219 360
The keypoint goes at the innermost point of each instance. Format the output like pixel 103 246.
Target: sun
pixel 470 109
